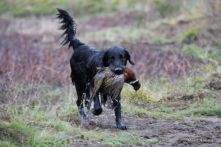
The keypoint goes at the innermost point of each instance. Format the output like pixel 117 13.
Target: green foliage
pixel 6 144
pixel 153 92
pixel 27 7
pixel 194 51
pixel 16 132
pixel 144 95
pixel 117 34
pixel 190 35
pixel 67 112
pixel 37 7
pixel 163 113
pixel 92 6
pixel 61 125
pixel 213 54
pixel 40 116
pixel 49 139
pixel 118 138
pixel 129 139
pixel 3 6
pixel 104 6
pixel 165 7
pixel 209 107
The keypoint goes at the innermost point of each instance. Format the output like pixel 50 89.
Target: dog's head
pixel 116 59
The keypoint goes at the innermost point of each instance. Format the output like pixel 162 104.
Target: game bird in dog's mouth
pixel 110 84
pixel 84 63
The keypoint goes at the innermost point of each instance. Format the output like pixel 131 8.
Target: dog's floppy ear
pixel 127 55
pixel 105 59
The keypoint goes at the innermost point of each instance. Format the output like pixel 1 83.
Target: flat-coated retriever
pixel 84 63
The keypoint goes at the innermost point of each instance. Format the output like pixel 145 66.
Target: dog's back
pixel 81 59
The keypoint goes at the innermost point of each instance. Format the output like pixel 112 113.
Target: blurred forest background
pixel 176 46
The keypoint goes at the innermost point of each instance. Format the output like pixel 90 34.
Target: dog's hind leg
pixel 80 92
pixel 87 95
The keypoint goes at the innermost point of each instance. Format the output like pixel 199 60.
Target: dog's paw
pixel 97 111
pixel 121 126
pixel 84 117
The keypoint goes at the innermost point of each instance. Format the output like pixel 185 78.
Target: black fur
pixel 84 63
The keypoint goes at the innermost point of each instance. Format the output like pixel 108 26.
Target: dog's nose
pixel 118 71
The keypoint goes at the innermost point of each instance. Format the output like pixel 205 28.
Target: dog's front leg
pixel 117 110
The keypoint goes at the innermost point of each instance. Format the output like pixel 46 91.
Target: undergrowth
pixel 39 7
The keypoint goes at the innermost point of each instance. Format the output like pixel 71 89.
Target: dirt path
pixel 187 132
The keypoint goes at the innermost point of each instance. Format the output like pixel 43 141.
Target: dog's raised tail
pixel 69 27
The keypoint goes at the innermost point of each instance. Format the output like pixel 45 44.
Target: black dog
pixel 84 63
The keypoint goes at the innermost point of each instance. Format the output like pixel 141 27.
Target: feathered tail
pixel 69 27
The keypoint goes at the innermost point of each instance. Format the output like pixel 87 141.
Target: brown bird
pixel 108 83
